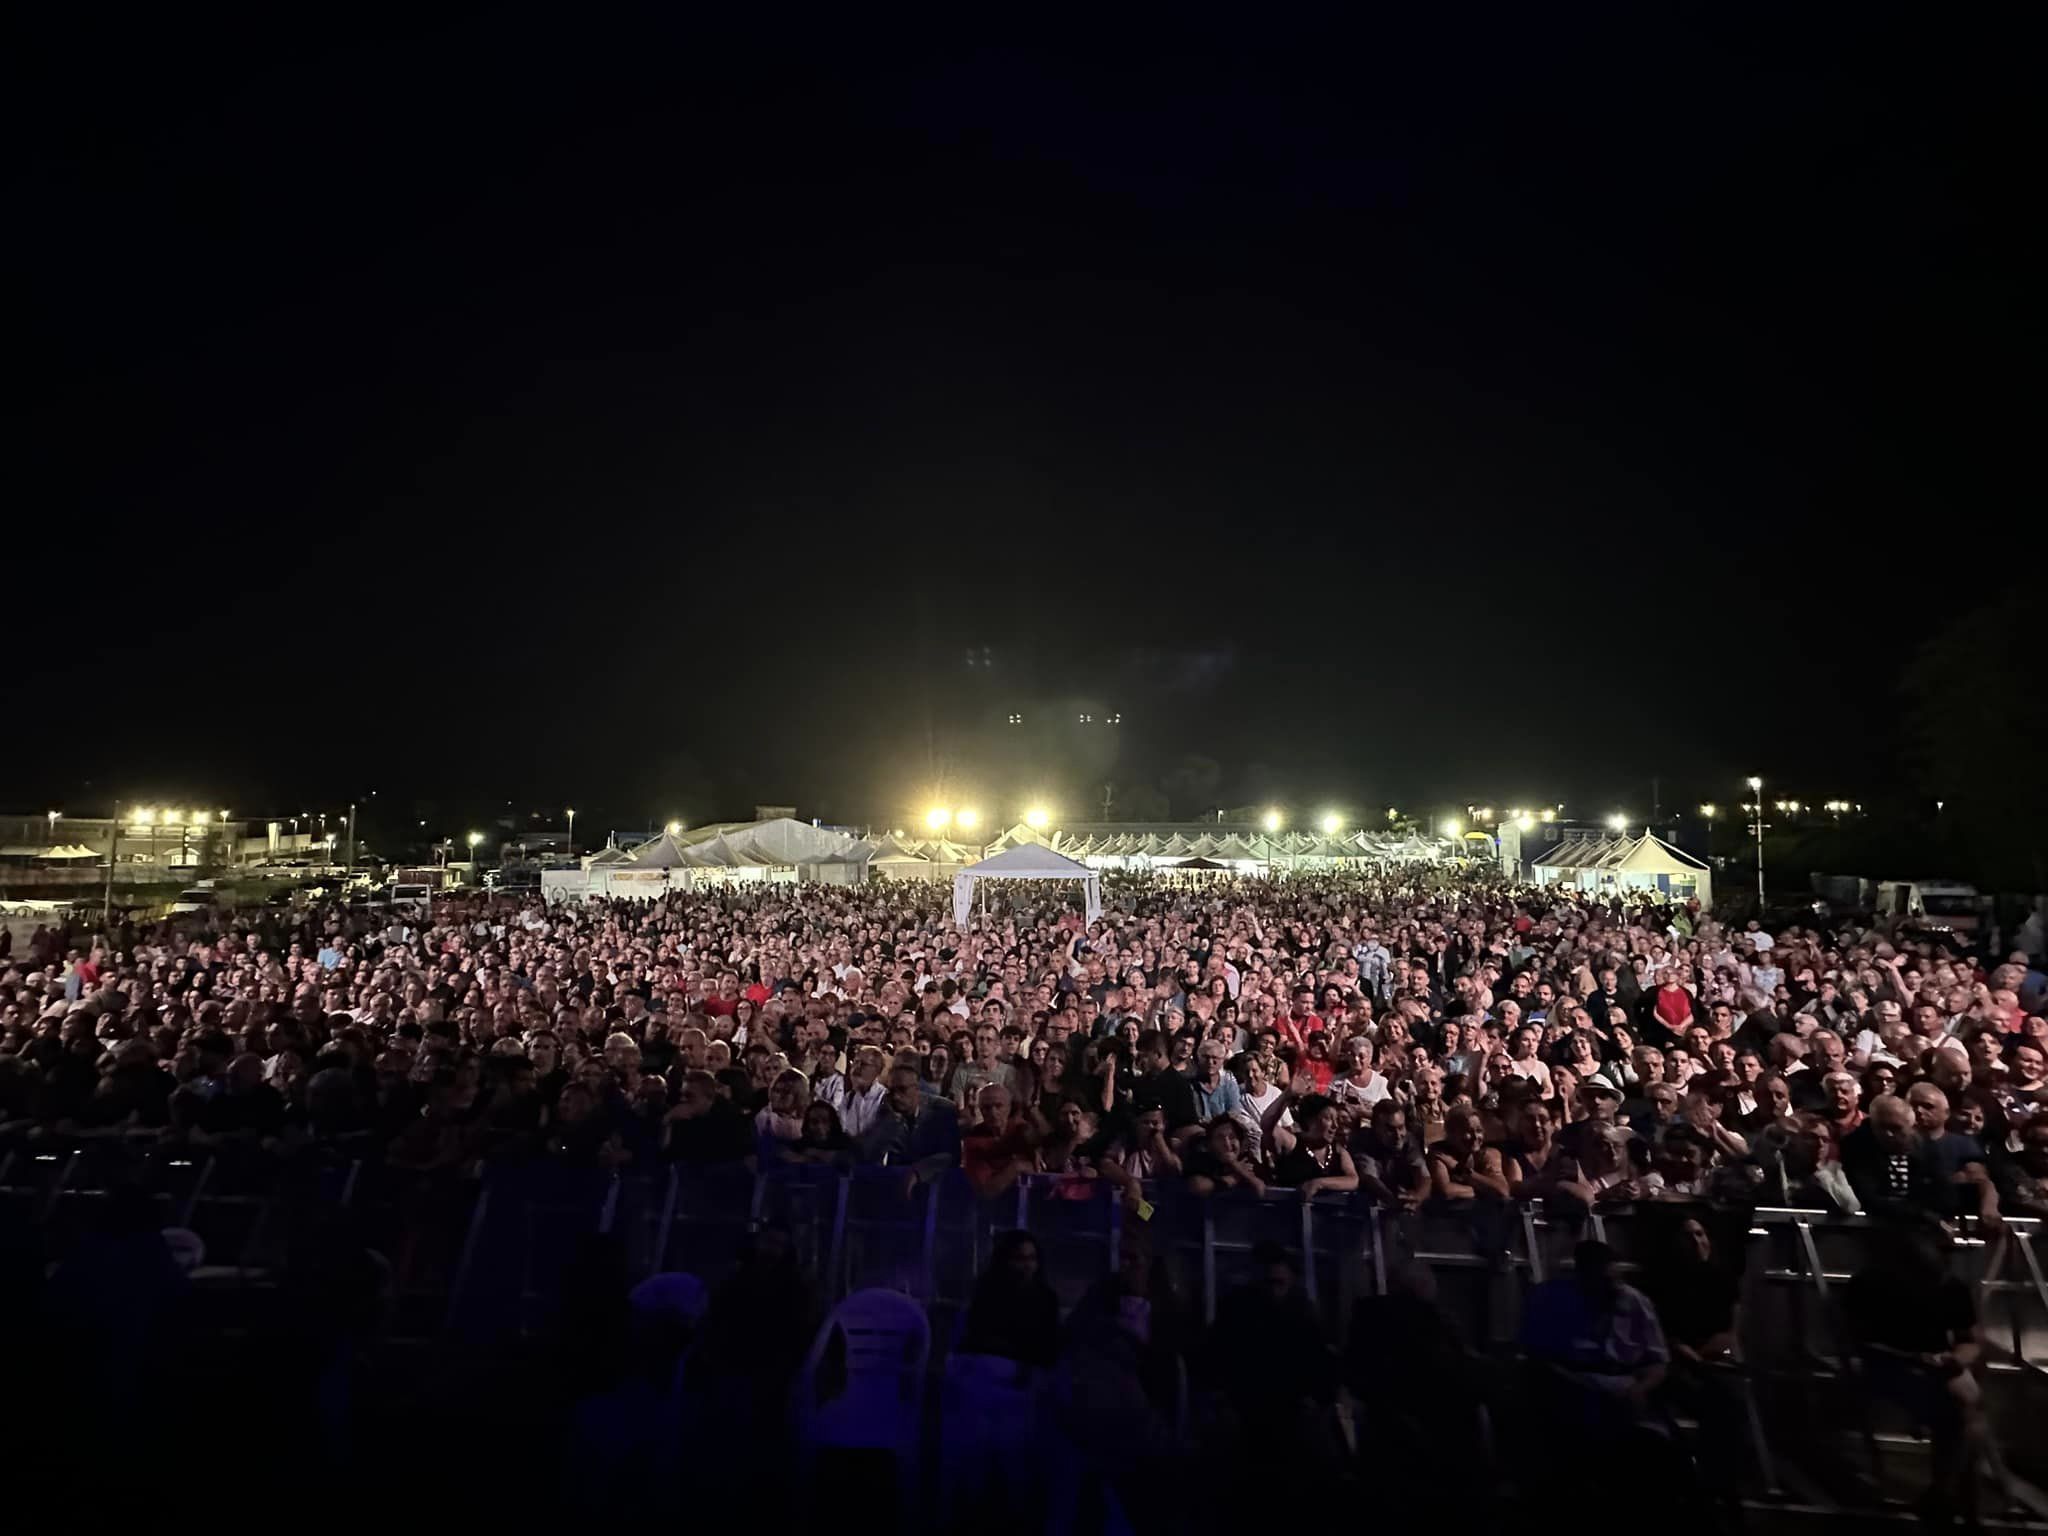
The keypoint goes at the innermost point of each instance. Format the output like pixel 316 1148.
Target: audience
pixel 1425 1042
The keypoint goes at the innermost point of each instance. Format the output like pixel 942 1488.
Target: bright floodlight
pixel 1331 823
pixel 1270 821
pixel 969 820
pixel 1710 811
pixel 1754 782
pixel 674 827
pixel 475 838
pixel 1618 821
pixel 1525 821
pixel 937 817
pixel 1486 813
pixel 1453 827
pixel 144 815
pixel 53 815
pixel 1038 818
pixel 1549 816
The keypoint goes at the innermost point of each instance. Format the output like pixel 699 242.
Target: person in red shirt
pixel 722 1003
pixel 1296 1026
pixel 1315 1062
pixel 997 1148
pixel 1674 1004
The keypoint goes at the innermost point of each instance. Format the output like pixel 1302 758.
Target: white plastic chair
pixel 880 1405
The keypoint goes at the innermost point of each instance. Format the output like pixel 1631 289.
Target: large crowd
pixel 1421 1041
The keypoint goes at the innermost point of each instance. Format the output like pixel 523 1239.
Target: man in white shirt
pixel 857 1093
pixel 1264 1101
pixel 1356 1083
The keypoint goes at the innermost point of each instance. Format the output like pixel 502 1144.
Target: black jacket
pixel 1867 1165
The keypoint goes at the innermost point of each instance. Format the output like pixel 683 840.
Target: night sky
pixel 647 416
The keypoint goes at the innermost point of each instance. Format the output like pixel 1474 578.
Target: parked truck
pixel 1931 906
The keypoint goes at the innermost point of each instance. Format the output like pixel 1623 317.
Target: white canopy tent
pixel 778 849
pixel 1626 863
pixel 1027 861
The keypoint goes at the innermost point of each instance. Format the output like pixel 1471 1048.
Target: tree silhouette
pixel 1975 722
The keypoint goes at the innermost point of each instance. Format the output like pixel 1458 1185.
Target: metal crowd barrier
pixel 491 1254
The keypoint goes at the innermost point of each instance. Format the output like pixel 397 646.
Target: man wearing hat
pixel 1601 1101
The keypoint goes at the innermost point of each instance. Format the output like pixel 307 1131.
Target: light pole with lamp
pixel 1756 792
pixel 1272 822
pixel 572 831
pixel 474 839
pixel 113 854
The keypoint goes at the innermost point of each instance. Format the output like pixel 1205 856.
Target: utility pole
pixel 113 853
pixel 351 837
pixel 1756 789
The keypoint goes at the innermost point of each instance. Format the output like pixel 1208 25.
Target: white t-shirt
pixel 1368 1091
pixel 1255 1111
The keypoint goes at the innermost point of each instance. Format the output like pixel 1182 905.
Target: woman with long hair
pixel 823 1142
pixel 1014 1314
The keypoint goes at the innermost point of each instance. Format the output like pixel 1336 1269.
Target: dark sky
pixel 630 412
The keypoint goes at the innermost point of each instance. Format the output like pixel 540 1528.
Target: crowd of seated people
pixel 1419 1041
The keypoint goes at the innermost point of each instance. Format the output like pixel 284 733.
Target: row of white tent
pixel 780 849
pixel 1245 853
pixel 1623 863
pixel 784 849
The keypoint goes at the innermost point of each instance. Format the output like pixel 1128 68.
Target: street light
pixel 937 817
pixel 1618 822
pixel 1453 827
pixel 1756 795
pixel 674 827
pixel 1038 818
pixel 1271 821
pixel 1710 811
pixel 1547 817
pixel 1526 822
pixel 572 831
pixel 474 839
pixel 967 820
pixel 53 815
pixel 1331 824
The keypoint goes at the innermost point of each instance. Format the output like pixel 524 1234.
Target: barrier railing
pixel 489 1254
